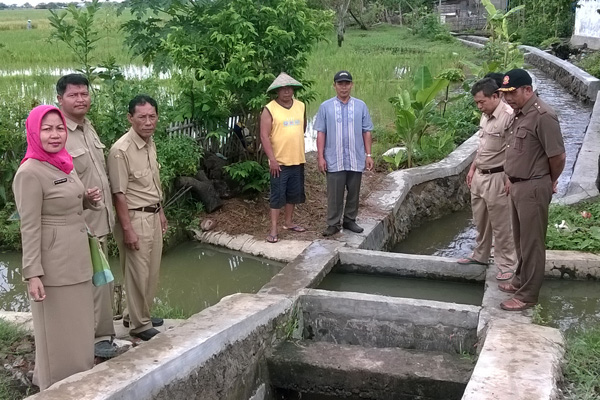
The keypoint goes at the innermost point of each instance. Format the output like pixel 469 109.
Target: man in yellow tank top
pixel 282 126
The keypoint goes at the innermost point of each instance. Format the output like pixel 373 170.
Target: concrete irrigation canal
pixel 345 319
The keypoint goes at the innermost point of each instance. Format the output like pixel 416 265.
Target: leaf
pixel 422 78
pixel 425 96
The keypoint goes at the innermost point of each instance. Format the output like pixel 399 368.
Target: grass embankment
pixel 16 350
pixel 580 230
pixel 582 369
pixel 377 60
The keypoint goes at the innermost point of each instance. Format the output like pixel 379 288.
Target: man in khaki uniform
pixel 486 180
pixel 141 222
pixel 85 147
pixel 535 158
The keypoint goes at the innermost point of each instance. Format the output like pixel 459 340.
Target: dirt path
pixel 251 215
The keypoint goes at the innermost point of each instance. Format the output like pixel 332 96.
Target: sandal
pixel 515 305
pixel 504 275
pixel 294 228
pixel 272 239
pixel 507 288
pixel 470 260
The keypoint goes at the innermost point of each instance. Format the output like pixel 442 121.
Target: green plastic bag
pixel 102 273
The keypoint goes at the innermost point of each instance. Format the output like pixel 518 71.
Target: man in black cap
pixel 343 126
pixel 535 158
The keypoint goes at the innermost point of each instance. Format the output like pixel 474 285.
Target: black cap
pixel 342 76
pixel 514 79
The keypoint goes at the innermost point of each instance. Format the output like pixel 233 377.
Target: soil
pixel 250 215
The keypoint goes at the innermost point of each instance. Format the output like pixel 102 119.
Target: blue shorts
pixel 288 187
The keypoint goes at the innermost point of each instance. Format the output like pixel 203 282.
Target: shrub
pixel 251 175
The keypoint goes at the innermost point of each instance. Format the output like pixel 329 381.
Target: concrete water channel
pixel 297 339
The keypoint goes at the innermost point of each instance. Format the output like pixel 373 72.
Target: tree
pixel 226 52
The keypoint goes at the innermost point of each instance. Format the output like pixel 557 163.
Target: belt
pixel 491 170
pixel 514 180
pixel 149 209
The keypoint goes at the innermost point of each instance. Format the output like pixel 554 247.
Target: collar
pixel 139 142
pixel 341 102
pixel 498 110
pixel 529 104
pixel 72 125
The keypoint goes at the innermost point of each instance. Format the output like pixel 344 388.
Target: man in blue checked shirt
pixel 343 127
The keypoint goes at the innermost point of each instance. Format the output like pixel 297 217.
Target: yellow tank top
pixel 287 132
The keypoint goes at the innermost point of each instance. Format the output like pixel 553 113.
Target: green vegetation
pixel 591 63
pixel 10 334
pixel 543 19
pixel 582 369
pixel 538 316
pixel 576 232
pixel 162 309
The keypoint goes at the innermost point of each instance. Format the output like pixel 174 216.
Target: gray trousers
pixel 337 184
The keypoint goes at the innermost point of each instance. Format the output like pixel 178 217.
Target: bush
pixel 177 156
pixel 251 175
pixel 591 63
pixel 580 233
pixel 428 26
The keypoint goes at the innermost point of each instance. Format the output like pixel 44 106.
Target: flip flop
pixel 507 288
pixel 272 239
pixel 515 305
pixel 504 276
pixel 469 260
pixel 294 228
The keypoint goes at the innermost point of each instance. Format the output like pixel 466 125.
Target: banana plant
pixel 497 24
pixel 415 110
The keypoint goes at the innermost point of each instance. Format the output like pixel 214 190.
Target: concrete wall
pixel 380 321
pixel 587 24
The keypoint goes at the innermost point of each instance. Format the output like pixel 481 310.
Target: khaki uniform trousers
pixel 104 327
pixel 491 215
pixel 529 202
pixel 141 267
pixel 64 344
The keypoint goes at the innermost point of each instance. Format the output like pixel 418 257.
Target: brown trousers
pixel 141 267
pixel 491 215
pixel 63 326
pixel 104 327
pixel 529 202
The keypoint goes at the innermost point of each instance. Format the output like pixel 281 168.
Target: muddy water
pixel 193 277
pixel 451 292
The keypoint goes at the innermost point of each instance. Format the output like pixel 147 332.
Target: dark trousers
pixel 529 203
pixel 337 184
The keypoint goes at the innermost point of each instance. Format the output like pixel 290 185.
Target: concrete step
pixel 347 371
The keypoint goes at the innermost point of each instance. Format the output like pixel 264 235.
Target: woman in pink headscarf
pixel 56 260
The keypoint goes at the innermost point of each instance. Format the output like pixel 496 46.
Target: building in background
pixel 587 24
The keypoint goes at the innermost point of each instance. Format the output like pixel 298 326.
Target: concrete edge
pixel 384 308
pixel 504 370
pixel 380 262
pixel 144 370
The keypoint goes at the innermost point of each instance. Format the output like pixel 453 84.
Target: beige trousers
pixel 491 216
pixel 63 326
pixel 104 327
pixel 141 267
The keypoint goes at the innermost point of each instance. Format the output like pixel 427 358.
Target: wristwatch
pixel 368 155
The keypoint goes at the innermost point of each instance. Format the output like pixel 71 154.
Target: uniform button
pixel 79 196
pixel 71 180
pixel 82 230
pixel 79 212
pixel 516 117
pixel 508 145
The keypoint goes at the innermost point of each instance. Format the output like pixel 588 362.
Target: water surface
pixel 193 276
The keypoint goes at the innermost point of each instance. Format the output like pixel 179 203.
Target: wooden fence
pixel 216 138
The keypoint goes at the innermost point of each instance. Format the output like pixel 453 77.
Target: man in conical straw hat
pixel 282 126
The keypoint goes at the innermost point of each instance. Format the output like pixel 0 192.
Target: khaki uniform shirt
pixel 533 137
pixel 133 170
pixel 492 138
pixel 87 150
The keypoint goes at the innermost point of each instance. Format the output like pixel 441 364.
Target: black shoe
pixel 155 322
pixel 105 349
pixel 146 335
pixel 352 226
pixel 331 230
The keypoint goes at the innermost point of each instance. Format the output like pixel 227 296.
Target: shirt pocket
pixel 81 160
pixel 493 142
pixel 521 137
pixel 142 177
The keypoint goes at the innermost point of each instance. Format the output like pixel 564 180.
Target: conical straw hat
pixel 283 80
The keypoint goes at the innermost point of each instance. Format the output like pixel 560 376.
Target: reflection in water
pixel 569 305
pixel 425 289
pixel 193 276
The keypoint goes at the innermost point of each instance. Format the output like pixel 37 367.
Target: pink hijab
pixel 61 160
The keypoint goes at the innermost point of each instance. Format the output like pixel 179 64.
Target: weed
pixel 577 232
pixel 582 368
pixel 291 327
pixel 10 333
pixel 538 316
pixel 162 309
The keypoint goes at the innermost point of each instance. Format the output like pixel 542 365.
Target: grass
pixel 9 334
pixel 581 233
pixel 374 58
pixel 582 369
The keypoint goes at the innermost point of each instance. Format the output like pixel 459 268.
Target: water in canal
pixel 193 276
